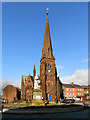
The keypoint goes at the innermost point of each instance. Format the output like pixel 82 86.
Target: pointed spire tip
pixel 47 10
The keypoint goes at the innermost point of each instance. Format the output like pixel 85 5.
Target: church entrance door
pixel 50 97
pixel 47 96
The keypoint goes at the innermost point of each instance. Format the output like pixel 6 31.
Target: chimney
pixel 72 83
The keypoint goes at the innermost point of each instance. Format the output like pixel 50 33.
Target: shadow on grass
pixel 25 106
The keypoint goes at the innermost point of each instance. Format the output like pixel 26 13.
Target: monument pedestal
pixel 37 94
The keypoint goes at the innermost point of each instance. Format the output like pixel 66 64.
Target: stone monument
pixel 36 82
pixel 37 92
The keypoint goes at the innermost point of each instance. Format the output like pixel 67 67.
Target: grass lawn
pixel 37 105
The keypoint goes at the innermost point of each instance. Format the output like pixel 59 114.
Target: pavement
pixel 83 115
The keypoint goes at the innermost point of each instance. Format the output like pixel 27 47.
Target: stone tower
pixel 48 75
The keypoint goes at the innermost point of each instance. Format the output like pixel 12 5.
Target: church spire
pixel 47 46
pixel 34 71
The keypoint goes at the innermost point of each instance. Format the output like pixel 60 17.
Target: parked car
pixel 77 99
pixel 67 100
pixel 71 100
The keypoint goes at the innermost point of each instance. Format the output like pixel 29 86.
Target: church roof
pixel 18 88
pixel 25 78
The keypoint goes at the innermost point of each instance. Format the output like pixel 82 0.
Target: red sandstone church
pixel 50 85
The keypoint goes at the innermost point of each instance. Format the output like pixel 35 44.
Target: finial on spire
pixel 34 66
pixel 47 10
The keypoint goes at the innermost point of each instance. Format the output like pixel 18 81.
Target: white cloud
pixel 60 67
pixel 86 60
pixel 13 82
pixel 5 82
pixel 79 77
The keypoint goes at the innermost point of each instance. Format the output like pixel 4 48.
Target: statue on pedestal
pixel 36 82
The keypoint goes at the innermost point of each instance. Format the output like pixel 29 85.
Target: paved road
pixel 79 114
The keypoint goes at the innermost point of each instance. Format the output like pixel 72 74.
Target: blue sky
pixel 23 26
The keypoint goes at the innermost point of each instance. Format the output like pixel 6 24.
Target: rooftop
pixel 72 85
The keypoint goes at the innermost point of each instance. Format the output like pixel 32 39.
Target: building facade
pixel 11 94
pixel 73 91
pixel 86 92
pixel 27 86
